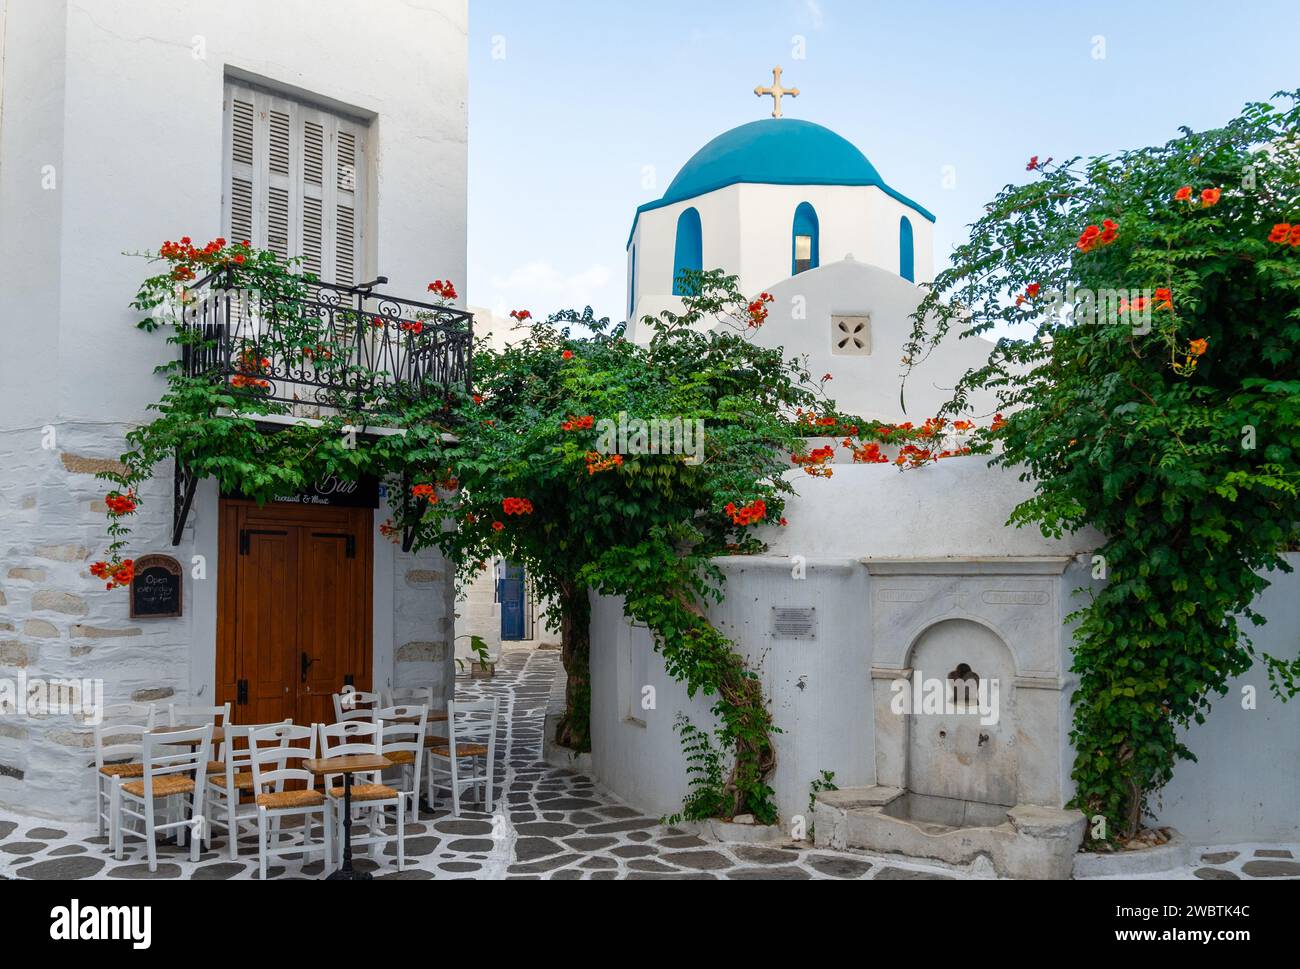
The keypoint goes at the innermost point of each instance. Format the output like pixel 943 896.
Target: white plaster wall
pixel 655 239
pixel 1244 788
pixel 957 508
pixel 31 138
pixel 112 96
pixel 799 320
pixel 1245 783
pixel 135 131
pixel 747 231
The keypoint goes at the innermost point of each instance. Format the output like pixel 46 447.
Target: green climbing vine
pixel 1153 392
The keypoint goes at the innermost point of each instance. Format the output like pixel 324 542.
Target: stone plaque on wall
pixel 794 624
pixel 157 591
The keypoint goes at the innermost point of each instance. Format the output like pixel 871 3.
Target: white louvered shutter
pixel 295 180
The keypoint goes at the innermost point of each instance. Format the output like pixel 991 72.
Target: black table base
pixel 347 873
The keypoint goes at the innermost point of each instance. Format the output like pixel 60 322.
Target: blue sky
pixel 571 101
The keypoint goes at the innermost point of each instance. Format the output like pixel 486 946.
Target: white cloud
pixel 542 288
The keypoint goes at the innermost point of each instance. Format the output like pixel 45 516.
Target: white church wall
pixel 655 240
pixel 1245 784
pixel 858 221
pixel 1244 788
pixel 747 230
pixel 800 319
pixel 112 141
pixel 639 758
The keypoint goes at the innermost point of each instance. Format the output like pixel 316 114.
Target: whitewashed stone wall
pixel 110 142
pixel 59 622
pixel 1245 786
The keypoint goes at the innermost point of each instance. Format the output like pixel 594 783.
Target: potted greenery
pixel 482 668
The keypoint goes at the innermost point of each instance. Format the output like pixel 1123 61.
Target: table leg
pixel 347 873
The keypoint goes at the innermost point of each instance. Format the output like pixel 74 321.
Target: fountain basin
pixel 1025 841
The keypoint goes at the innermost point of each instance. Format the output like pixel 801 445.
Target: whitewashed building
pixel 883 577
pixel 331 130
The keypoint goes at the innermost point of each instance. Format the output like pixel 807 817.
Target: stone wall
pixel 1244 787
pixel 58 622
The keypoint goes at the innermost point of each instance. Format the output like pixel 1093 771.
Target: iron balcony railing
pixel 319 349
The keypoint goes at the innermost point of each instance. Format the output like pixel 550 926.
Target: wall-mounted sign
pixel 794 624
pixel 333 492
pixel 157 591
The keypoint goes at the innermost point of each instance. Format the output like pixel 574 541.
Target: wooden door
pixel 294 616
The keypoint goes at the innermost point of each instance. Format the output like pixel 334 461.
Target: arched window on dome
pixel 906 250
pixel 807 240
pixel 690 250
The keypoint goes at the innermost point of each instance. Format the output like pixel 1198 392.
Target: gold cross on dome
pixel 776 92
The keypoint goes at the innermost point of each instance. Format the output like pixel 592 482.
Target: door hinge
pixel 246 539
pixel 241 693
pixel 349 541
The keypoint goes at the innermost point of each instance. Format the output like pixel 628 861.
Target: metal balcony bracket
pixel 184 483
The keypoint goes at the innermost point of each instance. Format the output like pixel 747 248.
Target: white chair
pixel 271 756
pixel 411 696
pixel 471 741
pixel 227 808
pixel 402 741
pixel 174 767
pixel 414 696
pixel 118 749
pixel 370 796
pixel 354 705
pixel 179 716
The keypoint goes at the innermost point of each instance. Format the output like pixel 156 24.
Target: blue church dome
pixel 776 151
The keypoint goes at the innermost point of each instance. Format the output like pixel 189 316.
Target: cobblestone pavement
pixel 548 823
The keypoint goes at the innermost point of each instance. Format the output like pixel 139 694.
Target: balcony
pixel 324 350
pixel 311 351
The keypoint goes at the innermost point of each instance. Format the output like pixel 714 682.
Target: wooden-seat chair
pixel 227 807
pixel 273 751
pixel 118 751
pixel 470 744
pixel 402 741
pixel 370 796
pixel 174 768
pixel 350 704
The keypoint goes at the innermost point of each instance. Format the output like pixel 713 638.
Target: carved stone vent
pixel 851 336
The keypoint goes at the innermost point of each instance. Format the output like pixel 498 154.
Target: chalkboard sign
pixel 157 589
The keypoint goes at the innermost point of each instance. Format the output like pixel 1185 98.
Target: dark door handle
pixel 307 662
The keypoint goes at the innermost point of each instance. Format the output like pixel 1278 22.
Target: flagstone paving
pixel 550 823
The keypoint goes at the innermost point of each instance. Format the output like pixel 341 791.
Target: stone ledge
pixel 723 832
pixel 1177 853
pixel 988 566
pixel 1034 842
pixel 558 756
